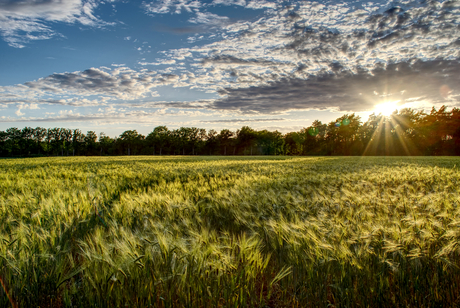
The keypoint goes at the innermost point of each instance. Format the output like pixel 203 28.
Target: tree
pixel 194 138
pixel 348 142
pixel 131 140
pixel 12 143
pixel 406 125
pixel 224 139
pixel 201 141
pixel 26 142
pixel 405 132
pixel 293 143
pixel 454 124
pixel 313 139
pixel 160 137
pixel 212 141
pixel 3 142
pixel 270 143
pixel 90 142
pixel 105 144
pixel 246 137
pixel 66 135
pixel 39 134
pixel 78 141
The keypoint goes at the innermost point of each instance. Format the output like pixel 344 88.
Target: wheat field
pixel 230 232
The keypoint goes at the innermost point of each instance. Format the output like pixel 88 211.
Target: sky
pixel 111 66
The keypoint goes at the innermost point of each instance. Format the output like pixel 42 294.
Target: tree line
pixel 405 132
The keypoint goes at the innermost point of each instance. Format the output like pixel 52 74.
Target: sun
pixel 386 108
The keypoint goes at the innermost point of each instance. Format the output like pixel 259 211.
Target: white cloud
pixel 159 62
pixel 260 4
pixel 178 6
pixel 253 120
pixel 209 19
pixel 12 29
pixel 78 102
pixel 171 6
pixel 65 112
pixel 313 38
pixel 289 59
pixel 23 106
pixel 109 115
pixel 21 22
pixel 229 2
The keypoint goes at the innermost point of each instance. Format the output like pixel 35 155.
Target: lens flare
pixel 445 91
pixel 313 131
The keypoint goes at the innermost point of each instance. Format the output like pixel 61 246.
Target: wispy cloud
pixel 179 6
pixel 261 4
pixel 209 19
pixel 160 62
pixel 107 115
pixel 25 21
pixel 244 120
pixel 171 6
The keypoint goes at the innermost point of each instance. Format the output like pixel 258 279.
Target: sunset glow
pixel 386 108
pixel 111 66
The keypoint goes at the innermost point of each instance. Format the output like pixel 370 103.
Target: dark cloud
pixel 182 105
pixel 90 78
pixel 349 92
pixel 121 83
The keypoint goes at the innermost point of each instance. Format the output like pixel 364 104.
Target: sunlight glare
pixel 386 108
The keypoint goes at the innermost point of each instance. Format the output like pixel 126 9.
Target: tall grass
pixel 239 232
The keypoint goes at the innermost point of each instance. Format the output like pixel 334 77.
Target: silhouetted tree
pixel 90 142
pixel 405 132
pixel 246 138
pixel 105 144
pixel 224 139
pixel 212 142
pixel 159 138
pixel 131 141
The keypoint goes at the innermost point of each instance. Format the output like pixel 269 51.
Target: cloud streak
pixel 243 120
pixel 121 83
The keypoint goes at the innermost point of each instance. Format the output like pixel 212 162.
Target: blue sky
pixel 110 66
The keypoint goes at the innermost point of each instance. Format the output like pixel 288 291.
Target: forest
pixel 405 132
